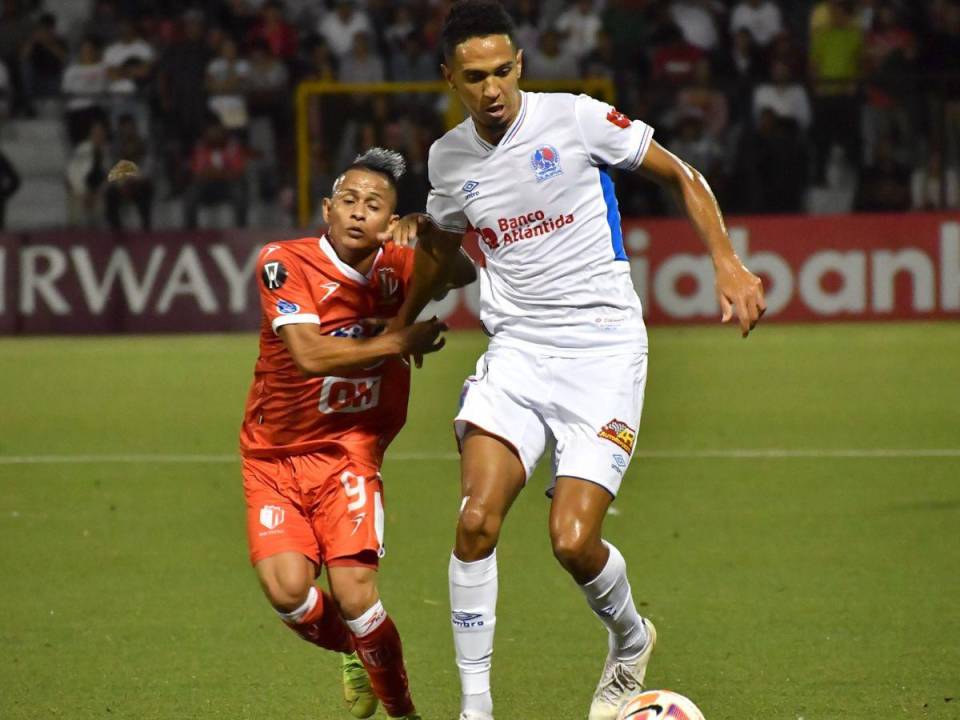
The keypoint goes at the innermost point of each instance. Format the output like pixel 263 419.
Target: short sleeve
pixel 442 207
pixel 285 296
pixel 610 137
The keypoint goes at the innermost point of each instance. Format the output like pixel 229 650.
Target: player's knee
pixel 478 528
pixel 571 546
pixel 355 594
pixel 286 589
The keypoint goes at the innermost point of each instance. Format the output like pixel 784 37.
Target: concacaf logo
pixel 619 433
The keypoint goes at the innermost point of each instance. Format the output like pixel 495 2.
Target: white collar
pixel 348 271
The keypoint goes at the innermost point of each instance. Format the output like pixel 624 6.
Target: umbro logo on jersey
pixel 274 275
pixel 469 186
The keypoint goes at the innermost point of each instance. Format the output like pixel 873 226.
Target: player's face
pixel 485 74
pixel 361 206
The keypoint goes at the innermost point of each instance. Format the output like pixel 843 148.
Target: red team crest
pixel 618 119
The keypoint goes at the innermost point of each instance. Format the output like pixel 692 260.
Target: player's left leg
pixel 595 429
pixel 354 589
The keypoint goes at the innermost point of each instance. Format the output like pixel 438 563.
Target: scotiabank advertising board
pixel 877 267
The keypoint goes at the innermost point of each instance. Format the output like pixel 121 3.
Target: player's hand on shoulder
pixel 407 229
pixel 421 338
pixel 739 291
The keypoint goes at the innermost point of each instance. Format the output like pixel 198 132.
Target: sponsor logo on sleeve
pixel 285 307
pixel 545 162
pixel 619 433
pixel 618 119
pixel 274 275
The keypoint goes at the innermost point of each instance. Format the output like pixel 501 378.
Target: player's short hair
pixel 388 163
pixel 475 18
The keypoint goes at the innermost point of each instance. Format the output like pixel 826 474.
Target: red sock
pixel 317 621
pixel 381 653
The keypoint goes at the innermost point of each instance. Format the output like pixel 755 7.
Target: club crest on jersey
pixel 285 307
pixel 545 162
pixel 619 433
pixel 389 284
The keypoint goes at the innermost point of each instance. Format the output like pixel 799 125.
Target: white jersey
pixel 556 278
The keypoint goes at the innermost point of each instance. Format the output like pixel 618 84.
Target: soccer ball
pixel 660 705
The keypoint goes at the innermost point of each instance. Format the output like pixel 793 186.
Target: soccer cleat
pixel 473 715
pixel 357 691
pixel 621 680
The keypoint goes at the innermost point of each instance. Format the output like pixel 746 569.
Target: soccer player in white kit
pixel 567 360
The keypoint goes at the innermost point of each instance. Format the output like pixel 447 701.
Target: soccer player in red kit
pixel 329 394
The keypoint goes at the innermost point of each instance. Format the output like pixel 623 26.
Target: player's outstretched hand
pixel 407 229
pixel 740 291
pixel 421 338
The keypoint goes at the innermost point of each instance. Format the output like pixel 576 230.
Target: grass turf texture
pixel 805 587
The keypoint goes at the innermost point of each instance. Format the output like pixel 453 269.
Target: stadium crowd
pixel 800 106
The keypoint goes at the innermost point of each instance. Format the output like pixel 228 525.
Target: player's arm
pixel 462 272
pixel 737 288
pixel 437 261
pixel 317 354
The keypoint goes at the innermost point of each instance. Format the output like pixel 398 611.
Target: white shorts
pixel 587 407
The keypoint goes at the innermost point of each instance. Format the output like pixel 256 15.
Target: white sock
pixel 609 596
pixel 295 616
pixel 369 621
pixel 473 605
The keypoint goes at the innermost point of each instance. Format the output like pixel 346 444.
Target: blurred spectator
pixel 697 20
pixel 228 76
pixel 784 96
pixel 526 24
pixel 102 25
pixel 675 60
pixel 884 185
pixel 836 56
pixel 761 18
pixel 5 90
pixel 182 90
pixel 129 59
pixel 42 59
pixel 15 29
pixel 138 190
pixel 84 84
pixel 411 64
pixel 9 184
pixel 578 26
pixel 773 164
pixel 339 27
pixel 548 61
pixel 602 62
pixel 400 28
pixel 703 99
pixel 268 82
pixel 629 30
pixel 86 175
pixel 361 64
pixel 272 27
pixel 943 58
pixel 934 187
pixel 889 62
pixel 218 167
pixel 269 103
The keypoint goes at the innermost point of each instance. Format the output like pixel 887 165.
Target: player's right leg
pixel 501 438
pixel 285 555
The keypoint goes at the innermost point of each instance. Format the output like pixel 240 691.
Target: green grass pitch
pixel 822 586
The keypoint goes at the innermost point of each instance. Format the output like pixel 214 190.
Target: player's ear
pixel 519 63
pixel 325 208
pixel 392 223
pixel 447 75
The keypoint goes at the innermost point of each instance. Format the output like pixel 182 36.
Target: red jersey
pixel 360 412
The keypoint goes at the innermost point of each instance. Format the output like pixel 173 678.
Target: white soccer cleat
pixel 473 715
pixel 620 680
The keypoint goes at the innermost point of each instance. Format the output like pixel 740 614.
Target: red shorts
pixel 327 507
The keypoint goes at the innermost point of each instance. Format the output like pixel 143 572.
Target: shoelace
pixel 620 682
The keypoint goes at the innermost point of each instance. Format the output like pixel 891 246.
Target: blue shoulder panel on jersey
pixel 613 213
